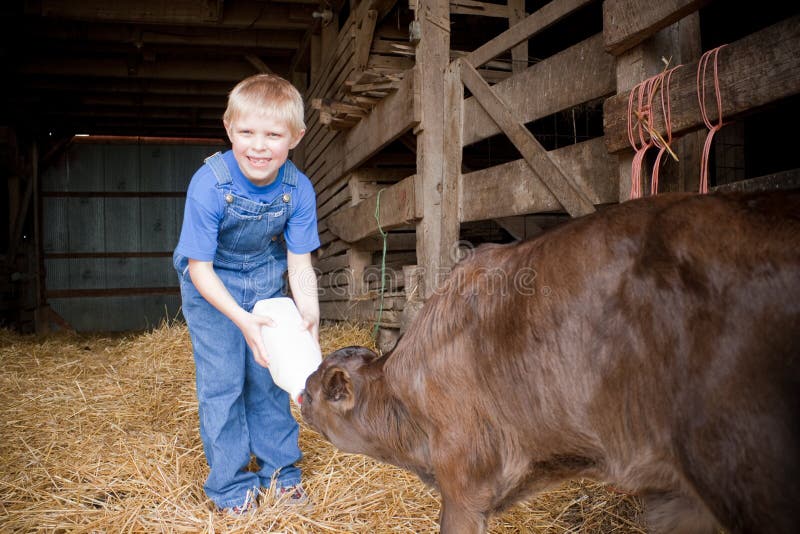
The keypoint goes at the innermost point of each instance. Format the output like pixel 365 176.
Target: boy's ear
pixel 227 129
pixel 297 139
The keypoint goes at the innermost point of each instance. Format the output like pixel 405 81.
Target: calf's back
pixel 653 345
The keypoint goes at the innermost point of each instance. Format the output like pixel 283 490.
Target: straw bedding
pixel 99 434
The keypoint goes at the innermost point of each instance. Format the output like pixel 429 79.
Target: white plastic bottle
pixel 291 350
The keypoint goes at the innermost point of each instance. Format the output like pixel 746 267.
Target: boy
pixel 240 207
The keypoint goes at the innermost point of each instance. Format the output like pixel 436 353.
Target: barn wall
pixel 547 81
pixel 111 216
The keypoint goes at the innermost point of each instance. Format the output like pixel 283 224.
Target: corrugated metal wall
pixel 111 216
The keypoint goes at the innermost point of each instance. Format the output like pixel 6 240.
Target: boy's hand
pixel 251 329
pixel 312 325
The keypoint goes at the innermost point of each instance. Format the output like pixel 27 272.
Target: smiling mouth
pixel 259 162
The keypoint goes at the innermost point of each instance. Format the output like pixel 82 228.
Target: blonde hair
pixel 270 95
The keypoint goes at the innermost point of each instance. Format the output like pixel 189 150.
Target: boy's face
pixel 261 145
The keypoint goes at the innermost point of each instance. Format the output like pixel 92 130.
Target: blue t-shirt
pixel 205 208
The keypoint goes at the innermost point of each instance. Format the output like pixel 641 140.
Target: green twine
pixel 383 264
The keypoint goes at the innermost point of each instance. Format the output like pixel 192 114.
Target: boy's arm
pixel 303 282
pixel 214 291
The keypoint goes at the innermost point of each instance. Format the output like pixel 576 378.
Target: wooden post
pixel 519 54
pixel 358 261
pixel 686 174
pixel 438 230
pixel 452 160
pixel 413 276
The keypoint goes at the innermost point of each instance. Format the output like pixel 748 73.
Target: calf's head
pixel 337 394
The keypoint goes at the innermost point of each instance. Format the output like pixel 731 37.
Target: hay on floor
pixel 99 434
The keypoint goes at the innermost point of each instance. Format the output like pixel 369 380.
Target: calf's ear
pixel 338 389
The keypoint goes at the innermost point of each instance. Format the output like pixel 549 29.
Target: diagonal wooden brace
pixel 571 197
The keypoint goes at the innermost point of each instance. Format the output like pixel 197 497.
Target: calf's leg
pixel 676 513
pixel 455 519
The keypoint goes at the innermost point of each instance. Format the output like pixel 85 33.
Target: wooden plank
pixel 338 200
pixel 365 28
pixel 110 292
pixel 533 24
pixel 781 180
pixel 394 241
pixel 581 73
pixel 520 226
pixel 326 194
pixel 317 149
pixel 398 206
pixel 626 23
pixel 756 70
pixel 358 310
pixel 118 255
pixel 513 188
pixel 389 64
pixel 568 194
pixel 334 62
pixel 315 163
pixel 483 9
pixel 394 116
pixel 369 135
pixel 334 263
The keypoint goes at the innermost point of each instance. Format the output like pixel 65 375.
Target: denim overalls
pixel 241 410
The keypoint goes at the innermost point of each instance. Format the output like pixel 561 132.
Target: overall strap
pixel 290 173
pixel 289 180
pixel 219 168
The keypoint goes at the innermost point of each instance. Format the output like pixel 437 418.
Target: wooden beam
pixel 514 189
pixel 578 74
pixel 358 310
pixel 110 292
pixel 757 70
pixel 178 88
pixel 533 24
pixel 162 69
pixel 396 240
pixel 237 15
pixel 519 226
pixel 381 6
pixel 398 207
pixel 98 34
pixel 482 9
pixel 568 194
pixel 626 23
pixel 781 180
pixel 258 64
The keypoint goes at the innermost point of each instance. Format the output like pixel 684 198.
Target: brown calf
pixel 654 346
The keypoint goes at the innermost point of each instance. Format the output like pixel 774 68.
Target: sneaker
pixel 292 495
pixel 246 508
